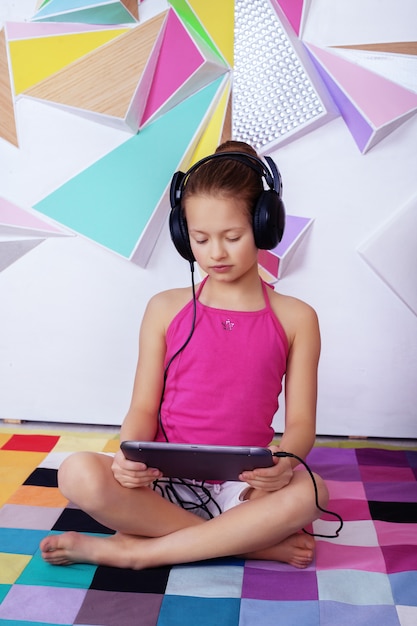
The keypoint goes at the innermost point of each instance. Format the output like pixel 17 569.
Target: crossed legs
pixel 152 532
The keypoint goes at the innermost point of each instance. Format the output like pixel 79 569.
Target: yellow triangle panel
pixel 213 132
pixel 218 18
pixel 33 60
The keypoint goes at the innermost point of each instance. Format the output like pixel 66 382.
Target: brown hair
pixel 227 177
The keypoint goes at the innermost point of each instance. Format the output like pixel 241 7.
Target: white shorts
pixel 206 500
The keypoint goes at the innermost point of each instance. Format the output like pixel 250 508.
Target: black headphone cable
pixel 174 356
pixel 316 494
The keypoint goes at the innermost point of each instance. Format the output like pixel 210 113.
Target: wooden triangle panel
pixel 105 80
pixel 7 116
pixel 401 47
pixel 132 6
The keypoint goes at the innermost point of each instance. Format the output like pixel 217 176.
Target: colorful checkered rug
pixel 366 576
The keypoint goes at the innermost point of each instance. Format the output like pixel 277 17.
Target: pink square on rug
pixel 384 473
pixel 349 510
pixel 394 533
pixel 333 556
pixel 345 490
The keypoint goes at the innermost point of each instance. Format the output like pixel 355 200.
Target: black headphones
pixel 268 216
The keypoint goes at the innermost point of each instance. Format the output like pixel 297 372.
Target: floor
pixel 110 430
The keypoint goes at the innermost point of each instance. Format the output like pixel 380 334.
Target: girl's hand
pixel 270 478
pixel 132 474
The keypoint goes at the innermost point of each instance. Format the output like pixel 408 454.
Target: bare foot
pixel 297 550
pixel 73 547
pixel 127 551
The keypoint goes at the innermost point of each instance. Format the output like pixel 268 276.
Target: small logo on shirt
pixel 228 325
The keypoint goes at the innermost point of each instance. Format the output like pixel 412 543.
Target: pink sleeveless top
pixel 223 387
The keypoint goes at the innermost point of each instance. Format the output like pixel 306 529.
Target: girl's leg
pixel 256 527
pixel 86 479
pixel 259 528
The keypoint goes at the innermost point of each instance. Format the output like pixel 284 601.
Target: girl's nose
pixel 217 250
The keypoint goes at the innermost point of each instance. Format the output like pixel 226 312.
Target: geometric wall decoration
pixel 15 220
pixel 189 13
pixel 189 77
pixel 38 51
pixel 109 84
pixel 183 66
pixel 214 130
pixel 221 31
pixel 88 11
pixel 11 250
pixel 399 67
pixel 165 77
pixel 277 94
pixel 399 47
pixel 371 106
pixel 119 77
pixel 391 252
pixel 20 232
pixel 296 13
pixel 276 261
pixel 7 114
pixel 115 201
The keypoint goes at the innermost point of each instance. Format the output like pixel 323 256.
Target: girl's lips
pixel 221 268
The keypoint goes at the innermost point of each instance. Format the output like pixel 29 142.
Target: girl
pixel 210 370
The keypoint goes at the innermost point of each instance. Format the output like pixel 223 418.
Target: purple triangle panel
pixel 360 129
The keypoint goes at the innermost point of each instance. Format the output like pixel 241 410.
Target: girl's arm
pixel 301 382
pixel 141 420
pixel 301 325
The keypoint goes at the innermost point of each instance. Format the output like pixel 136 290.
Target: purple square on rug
pixel 412 458
pixel 109 608
pixel 53 605
pixel 340 614
pixel 304 613
pixel 269 585
pixel 376 456
pixel 392 492
pixel 335 464
pixel 332 456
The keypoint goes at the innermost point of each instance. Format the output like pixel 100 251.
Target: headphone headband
pixel 270 173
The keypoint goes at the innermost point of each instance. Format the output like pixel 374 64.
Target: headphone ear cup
pixel 177 222
pixel 175 188
pixel 179 233
pixel 268 220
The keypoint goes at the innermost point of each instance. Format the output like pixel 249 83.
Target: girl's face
pixel 221 236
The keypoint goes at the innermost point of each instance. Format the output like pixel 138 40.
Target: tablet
pixel 199 462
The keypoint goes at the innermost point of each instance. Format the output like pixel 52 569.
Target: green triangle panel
pixel 193 24
pixel 112 201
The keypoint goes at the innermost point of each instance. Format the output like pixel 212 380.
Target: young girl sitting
pixel 210 370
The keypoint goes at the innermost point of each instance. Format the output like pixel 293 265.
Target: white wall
pixel 70 311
